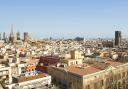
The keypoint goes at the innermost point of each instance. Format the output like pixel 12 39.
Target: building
pixel 4 36
pixel 0 37
pixel 27 68
pixel 25 36
pixel 5 74
pixel 70 62
pixel 99 75
pixel 30 82
pixel 75 57
pixel 18 35
pixel 117 38
pixel 107 43
pixel 46 61
pixel 76 54
pixel 11 37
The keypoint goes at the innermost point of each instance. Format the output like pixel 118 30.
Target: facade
pixel 5 74
pixel 110 75
pixel 70 62
pixel 27 68
pixel 46 61
pixel 107 44
pixel 76 54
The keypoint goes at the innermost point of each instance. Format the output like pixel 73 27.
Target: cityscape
pixel 26 63
pixel 63 44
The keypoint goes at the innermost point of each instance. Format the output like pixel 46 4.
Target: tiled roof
pixel 29 61
pixel 100 65
pixel 29 78
pixel 114 64
pixel 81 70
pixel 85 69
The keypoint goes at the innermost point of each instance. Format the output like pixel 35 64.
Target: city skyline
pixel 85 18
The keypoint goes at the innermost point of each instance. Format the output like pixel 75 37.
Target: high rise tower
pixel 4 36
pixel 0 36
pixel 25 36
pixel 11 37
pixel 18 35
pixel 118 38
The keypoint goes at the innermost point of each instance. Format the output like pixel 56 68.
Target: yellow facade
pixel 70 62
pixel 76 54
pixel 110 78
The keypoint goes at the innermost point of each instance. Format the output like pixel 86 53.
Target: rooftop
pixel 29 78
pixel 79 70
pixel 85 68
pixel 29 61
pixel 114 63
pixel 2 65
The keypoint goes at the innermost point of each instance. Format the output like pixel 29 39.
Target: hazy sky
pixel 65 18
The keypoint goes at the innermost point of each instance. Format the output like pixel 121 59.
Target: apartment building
pixel 5 74
pixel 30 82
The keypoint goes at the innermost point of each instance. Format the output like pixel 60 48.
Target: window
pixel 88 87
pixel 1 73
pixel 4 72
pixel 119 76
pixel 95 85
pixel 71 63
pixel 124 82
pixel 107 81
pixel 111 79
pixel 102 82
pixel 115 77
pixel 23 71
pixel 119 85
pixel 123 75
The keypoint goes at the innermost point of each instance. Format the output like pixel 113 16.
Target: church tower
pixel 11 37
pixel 18 35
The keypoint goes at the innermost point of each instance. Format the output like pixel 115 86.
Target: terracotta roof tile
pixel 114 64
pixel 82 71
pixel 23 79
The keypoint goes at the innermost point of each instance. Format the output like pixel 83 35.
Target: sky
pixel 65 18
